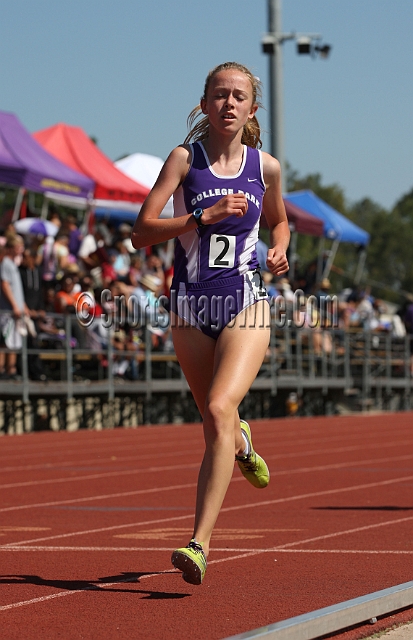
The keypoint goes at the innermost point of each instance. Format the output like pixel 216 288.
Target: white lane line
pixel 339 465
pixel 328 536
pixel 98 587
pixel 287 545
pixel 138 457
pixel 101 497
pixel 95 476
pixel 362 551
pixel 263 503
pixel 186 486
pixel 239 556
pixel 24 603
pixel 335 451
pixel 316 494
pixel 215 550
pixel 100 447
pixel 16 447
pixel 62 594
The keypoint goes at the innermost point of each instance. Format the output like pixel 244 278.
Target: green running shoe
pixel 191 561
pixel 252 466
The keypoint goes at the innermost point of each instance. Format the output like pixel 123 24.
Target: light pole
pixel 272 45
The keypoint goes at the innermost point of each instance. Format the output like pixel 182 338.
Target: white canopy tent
pixel 144 169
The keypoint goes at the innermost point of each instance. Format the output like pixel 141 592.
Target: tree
pixel 403 212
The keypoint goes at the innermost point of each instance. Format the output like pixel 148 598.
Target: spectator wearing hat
pixel 124 231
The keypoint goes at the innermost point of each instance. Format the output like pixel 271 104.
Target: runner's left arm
pixel 274 211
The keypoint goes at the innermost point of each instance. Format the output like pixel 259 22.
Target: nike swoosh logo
pixel 252 179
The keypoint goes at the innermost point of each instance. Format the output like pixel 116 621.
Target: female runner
pixel 220 314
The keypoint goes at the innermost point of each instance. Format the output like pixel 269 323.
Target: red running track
pixel 88 521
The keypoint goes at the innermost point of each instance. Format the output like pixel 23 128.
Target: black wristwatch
pixel 198 217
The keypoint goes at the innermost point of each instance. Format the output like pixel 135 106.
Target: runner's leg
pixel 196 353
pixel 239 352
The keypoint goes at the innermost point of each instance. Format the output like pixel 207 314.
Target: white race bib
pixel 222 251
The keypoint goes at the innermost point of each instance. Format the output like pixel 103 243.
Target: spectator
pixel 153 265
pixel 408 316
pixel 96 334
pixel 51 332
pixel 11 299
pixel 262 253
pixel 408 323
pixel 363 314
pixel 123 233
pixel 135 271
pixel 61 251
pixel 31 277
pixel 270 285
pixel 148 311
pixel 122 261
pixel 55 219
pixel 92 251
pixel 65 302
pixel 74 233
pixel 47 259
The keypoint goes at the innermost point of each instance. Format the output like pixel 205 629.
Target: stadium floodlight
pixel 271 43
pixel 324 50
pixel 268 43
pixel 304 45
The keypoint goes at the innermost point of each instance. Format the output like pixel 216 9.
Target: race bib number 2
pixel 222 251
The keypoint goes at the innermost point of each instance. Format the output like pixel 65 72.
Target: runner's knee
pixel 219 415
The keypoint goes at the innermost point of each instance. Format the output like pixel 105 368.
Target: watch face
pixel 197 213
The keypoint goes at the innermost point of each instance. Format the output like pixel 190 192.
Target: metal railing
pixel 297 359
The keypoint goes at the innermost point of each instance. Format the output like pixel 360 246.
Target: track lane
pixel 351 495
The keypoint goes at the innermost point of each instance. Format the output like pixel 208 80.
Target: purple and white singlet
pixel 220 256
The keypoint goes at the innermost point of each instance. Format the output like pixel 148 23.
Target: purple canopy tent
pixel 24 163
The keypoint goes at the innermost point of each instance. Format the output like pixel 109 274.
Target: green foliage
pixel 403 213
pixel 388 270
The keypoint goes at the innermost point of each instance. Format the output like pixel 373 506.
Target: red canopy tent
pixel 75 149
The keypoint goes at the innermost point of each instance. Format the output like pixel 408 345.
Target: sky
pixel 129 73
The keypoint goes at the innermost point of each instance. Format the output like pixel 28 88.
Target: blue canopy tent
pixel 116 216
pixel 337 227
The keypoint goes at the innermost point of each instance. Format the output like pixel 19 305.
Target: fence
pixel 375 368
